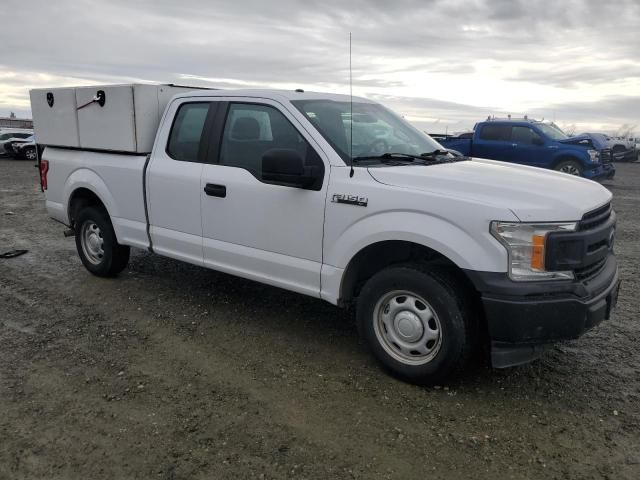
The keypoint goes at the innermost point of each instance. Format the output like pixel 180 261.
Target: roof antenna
pixel 351 172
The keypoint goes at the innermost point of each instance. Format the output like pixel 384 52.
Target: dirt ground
pixel 172 371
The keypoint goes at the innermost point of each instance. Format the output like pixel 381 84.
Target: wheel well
pixel 565 158
pixel 81 198
pixel 373 258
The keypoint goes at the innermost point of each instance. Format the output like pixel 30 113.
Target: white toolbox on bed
pixel 119 118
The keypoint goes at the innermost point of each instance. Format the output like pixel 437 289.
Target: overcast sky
pixel 442 64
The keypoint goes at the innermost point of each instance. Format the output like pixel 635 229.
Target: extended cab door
pixel 264 231
pixel 173 180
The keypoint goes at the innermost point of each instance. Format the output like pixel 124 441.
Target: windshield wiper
pixel 388 156
pixel 428 158
pixel 434 153
pixel 443 156
pixel 395 158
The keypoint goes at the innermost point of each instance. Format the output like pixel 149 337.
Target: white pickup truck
pixel 438 254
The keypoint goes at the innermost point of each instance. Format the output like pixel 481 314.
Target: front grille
pixel 584 251
pixel 596 248
pixel 605 156
pixel 595 217
pixel 597 245
pixel 590 270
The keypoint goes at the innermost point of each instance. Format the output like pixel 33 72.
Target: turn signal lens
pixel 537 252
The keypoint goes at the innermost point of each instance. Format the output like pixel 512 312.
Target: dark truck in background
pixel 534 143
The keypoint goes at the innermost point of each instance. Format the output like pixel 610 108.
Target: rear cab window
pixel 497 133
pixel 186 131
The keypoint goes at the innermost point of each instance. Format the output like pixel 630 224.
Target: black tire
pixel 446 298
pixel 570 167
pixel 93 227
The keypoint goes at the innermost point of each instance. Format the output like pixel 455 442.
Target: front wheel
pixel 416 323
pixel 97 245
pixel 569 166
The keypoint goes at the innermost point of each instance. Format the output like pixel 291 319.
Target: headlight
pixel 594 155
pixel 525 244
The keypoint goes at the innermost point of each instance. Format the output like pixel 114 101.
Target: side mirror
pixel 537 141
pixel 284 166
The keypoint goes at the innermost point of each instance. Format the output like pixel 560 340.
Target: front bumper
pixel 630 155
pixel 524 318
pixel 9 150
pixel 600 172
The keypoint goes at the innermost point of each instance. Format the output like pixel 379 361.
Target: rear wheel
pixel 569 166
pixel 416 323
pixel 97 245
pixel 30 153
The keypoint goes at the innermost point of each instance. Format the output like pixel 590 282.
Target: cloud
pixel 447 59
pixel 613 110
pixel 574 76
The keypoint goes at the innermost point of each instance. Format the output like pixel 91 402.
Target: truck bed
pixel 116 178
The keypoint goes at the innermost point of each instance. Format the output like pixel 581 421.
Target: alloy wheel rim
pixel 570 169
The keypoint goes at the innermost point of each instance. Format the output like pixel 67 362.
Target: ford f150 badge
pixel 350 199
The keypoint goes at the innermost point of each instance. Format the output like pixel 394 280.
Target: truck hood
pixel 532 194
pixel 587 140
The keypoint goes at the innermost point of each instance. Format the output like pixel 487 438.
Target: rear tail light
pixel 44 170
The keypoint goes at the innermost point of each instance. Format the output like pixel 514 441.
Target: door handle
pixel 214 190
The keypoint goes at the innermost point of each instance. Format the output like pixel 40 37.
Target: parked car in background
pixel 8 135
pixel 622 149
pixel 627 142
pixel 23 148
pixel 26 149
pixel 538 144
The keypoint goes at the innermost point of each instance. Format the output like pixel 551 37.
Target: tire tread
pixel 118 257
pixel 446 278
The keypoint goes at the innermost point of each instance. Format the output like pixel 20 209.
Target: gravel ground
pixel 172 371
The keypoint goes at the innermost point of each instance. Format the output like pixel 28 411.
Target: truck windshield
pixel 552 131
pixel 376 130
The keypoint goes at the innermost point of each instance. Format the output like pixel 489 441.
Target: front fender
pixel 477 251
pixel 571 154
